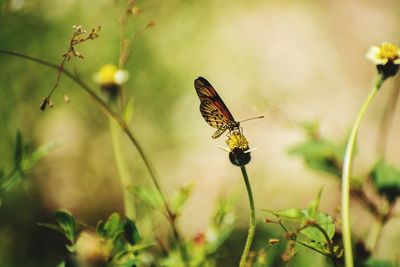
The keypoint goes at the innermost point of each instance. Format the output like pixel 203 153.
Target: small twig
pixel 71 52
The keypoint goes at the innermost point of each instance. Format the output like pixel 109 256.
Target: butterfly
pixel 213 109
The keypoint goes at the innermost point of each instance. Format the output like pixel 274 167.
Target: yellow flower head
pixel 384 53
pixel 237 140
pixel 386 58
pixel 239 154
pixel 110 75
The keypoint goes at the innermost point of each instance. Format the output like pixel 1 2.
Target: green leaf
pixel 128 263
pixel 67 224
pixel 37 155
pixel 131 232
pixel 379 263
pixel 314 205
pixel 320 155
pixel 180 197
pixel 291 214
pixel 128 111
pixel 101 231
pixel 315 236
pixel 386 178
pixel 114 226
pixel 148 196
pixel 61 264
pixel 18 154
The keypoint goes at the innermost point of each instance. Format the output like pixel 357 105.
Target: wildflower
pixel 110 79
pixel 386 57
pixel 239 152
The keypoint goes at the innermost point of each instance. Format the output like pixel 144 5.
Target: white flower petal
pixel 121 76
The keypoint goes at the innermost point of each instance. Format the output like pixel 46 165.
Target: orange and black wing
pixel 212 108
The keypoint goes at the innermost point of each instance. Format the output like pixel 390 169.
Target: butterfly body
pixel 213 109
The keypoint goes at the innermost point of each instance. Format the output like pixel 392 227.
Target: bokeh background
pixel 291 61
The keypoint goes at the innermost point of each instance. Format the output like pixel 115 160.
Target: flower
pixel 110 74
pixel 386 57
pixel 110 78
pixel 239 153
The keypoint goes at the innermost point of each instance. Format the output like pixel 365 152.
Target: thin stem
pixel 346 174
pixel 387 121
pixel 126 181
pixel 252 226
pixel 109 112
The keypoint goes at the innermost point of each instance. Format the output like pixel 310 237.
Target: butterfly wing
pixel 212 108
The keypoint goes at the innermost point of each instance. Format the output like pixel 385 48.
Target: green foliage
pixel 180 198
pixel 119 240
pixel 319 154
pixel 66 225
pixel 386 178
pixel 380 263
pixel 148 196
pixel 23 162
pixel 116 227
pixel 314 228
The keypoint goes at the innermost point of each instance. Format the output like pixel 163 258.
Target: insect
pixel 214 110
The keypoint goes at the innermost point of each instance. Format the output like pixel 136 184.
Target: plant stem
pixel 387 121
pixel 126 182
pixel 346 174
pixel 118 119
pixel 252 226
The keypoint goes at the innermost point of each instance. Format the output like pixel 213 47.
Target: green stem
pixel 126 182
pixel 252 226
pixel 125 128
pixel 348 254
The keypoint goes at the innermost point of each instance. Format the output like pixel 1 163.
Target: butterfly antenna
pixel 259 117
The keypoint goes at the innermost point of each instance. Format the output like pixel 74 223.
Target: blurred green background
pixel 292 61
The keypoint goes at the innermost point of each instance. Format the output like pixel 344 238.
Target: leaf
pixel 148 196
pixel 314 205
pixel 291 214
pixel 316 238
pixel 18 154
pixel 114 226
pixel 379 263
pixel 320 155
pixel 37 155
pixel 128 111
pixel 131 232
pixel 67 224
pixel 100 229
pixel 61 264
pixel 181 196
pixel 128 263
pixel 386 178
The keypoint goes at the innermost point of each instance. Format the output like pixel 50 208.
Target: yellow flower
pixel 384 53
pixel 239 153
pixel 386 57
pixel 237 140
pixel 110 75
